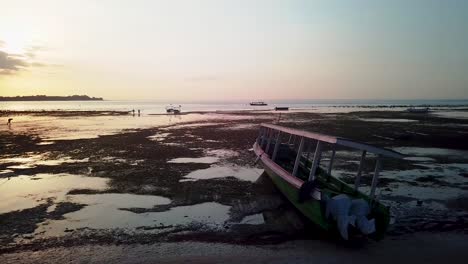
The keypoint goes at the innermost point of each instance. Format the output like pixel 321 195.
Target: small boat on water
pixel 172 109
pixel 281 108
pixel 418 109
pixel 258 103
pixel 292 159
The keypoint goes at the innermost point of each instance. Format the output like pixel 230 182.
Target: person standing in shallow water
pixel 9 121
pixel 138 112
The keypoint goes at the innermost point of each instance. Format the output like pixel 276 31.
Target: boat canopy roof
pixel 338 141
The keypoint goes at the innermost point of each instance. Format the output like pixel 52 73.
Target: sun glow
pixel 14 42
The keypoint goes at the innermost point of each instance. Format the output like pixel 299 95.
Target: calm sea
pixel 159 107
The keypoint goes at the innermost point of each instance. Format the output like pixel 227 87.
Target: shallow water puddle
pixel 239 127
pixel 242 173
pixel 50 128
pixel 452 114
pixel 207 160
pixel 421 159
pixel 214 155
pixel 24 192
pixel 451 173
pixel 6 171
pixel 192 125
pixel 31 161
pixel 426 192
pixel 398 120
pixel 159 137
pixel 255 219
pixel 222 153
pixel 104 213
pixel 44 143
pixel 416 151
pixel 436 181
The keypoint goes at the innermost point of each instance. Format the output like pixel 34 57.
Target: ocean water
pixel 153 107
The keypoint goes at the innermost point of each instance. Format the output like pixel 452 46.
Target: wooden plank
pixel 315 163
pixel 357 181
pixel 298 157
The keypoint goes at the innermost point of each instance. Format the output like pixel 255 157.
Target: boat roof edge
pixel 338 141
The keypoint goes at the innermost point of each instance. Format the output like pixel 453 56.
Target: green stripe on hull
pixel 311 209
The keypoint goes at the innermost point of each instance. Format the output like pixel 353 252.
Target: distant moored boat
pixel 418 110
pixel 171 109
pixel 258 103
pixel 281 108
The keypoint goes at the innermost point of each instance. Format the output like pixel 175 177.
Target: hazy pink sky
pixel 235 50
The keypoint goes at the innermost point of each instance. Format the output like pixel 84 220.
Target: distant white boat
pixel 171 109
pixel 418 110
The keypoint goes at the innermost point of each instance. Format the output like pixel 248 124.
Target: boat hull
pixel 312 209
pixel 289 186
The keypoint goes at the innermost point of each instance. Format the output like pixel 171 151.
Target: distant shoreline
pixel 50 98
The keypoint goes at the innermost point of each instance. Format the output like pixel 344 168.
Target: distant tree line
pixel 50 98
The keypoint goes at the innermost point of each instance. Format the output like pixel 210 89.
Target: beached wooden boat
pixel 292 159
pixel 418 110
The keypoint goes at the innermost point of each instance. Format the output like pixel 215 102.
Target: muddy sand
pixel 175 190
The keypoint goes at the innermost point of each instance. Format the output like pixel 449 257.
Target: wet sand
pixel 421 248
pixel 152 181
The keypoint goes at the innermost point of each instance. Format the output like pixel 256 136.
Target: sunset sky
pixel 235 50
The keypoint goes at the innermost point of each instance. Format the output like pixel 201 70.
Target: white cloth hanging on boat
pixel 349 212
pixel 338 207
pixel 360 209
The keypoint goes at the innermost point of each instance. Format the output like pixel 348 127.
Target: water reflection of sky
pixel 77 127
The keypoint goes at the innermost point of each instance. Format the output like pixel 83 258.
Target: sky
pixel 235 49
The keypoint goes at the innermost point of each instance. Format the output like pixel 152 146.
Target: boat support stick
pixel 330 165
pixel 315 163
pixel 375 179
pixel 298 157
pixel 277 144
pixel 270 137
pixel 357 181
pixel 265 135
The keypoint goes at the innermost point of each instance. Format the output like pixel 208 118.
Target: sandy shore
pixel 420 248
pixel 197 172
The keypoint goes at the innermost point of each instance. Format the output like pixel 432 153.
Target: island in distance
pixel 50 98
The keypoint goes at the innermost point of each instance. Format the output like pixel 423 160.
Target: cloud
pixel 32 51
pixel 13 63
pixel 10 63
